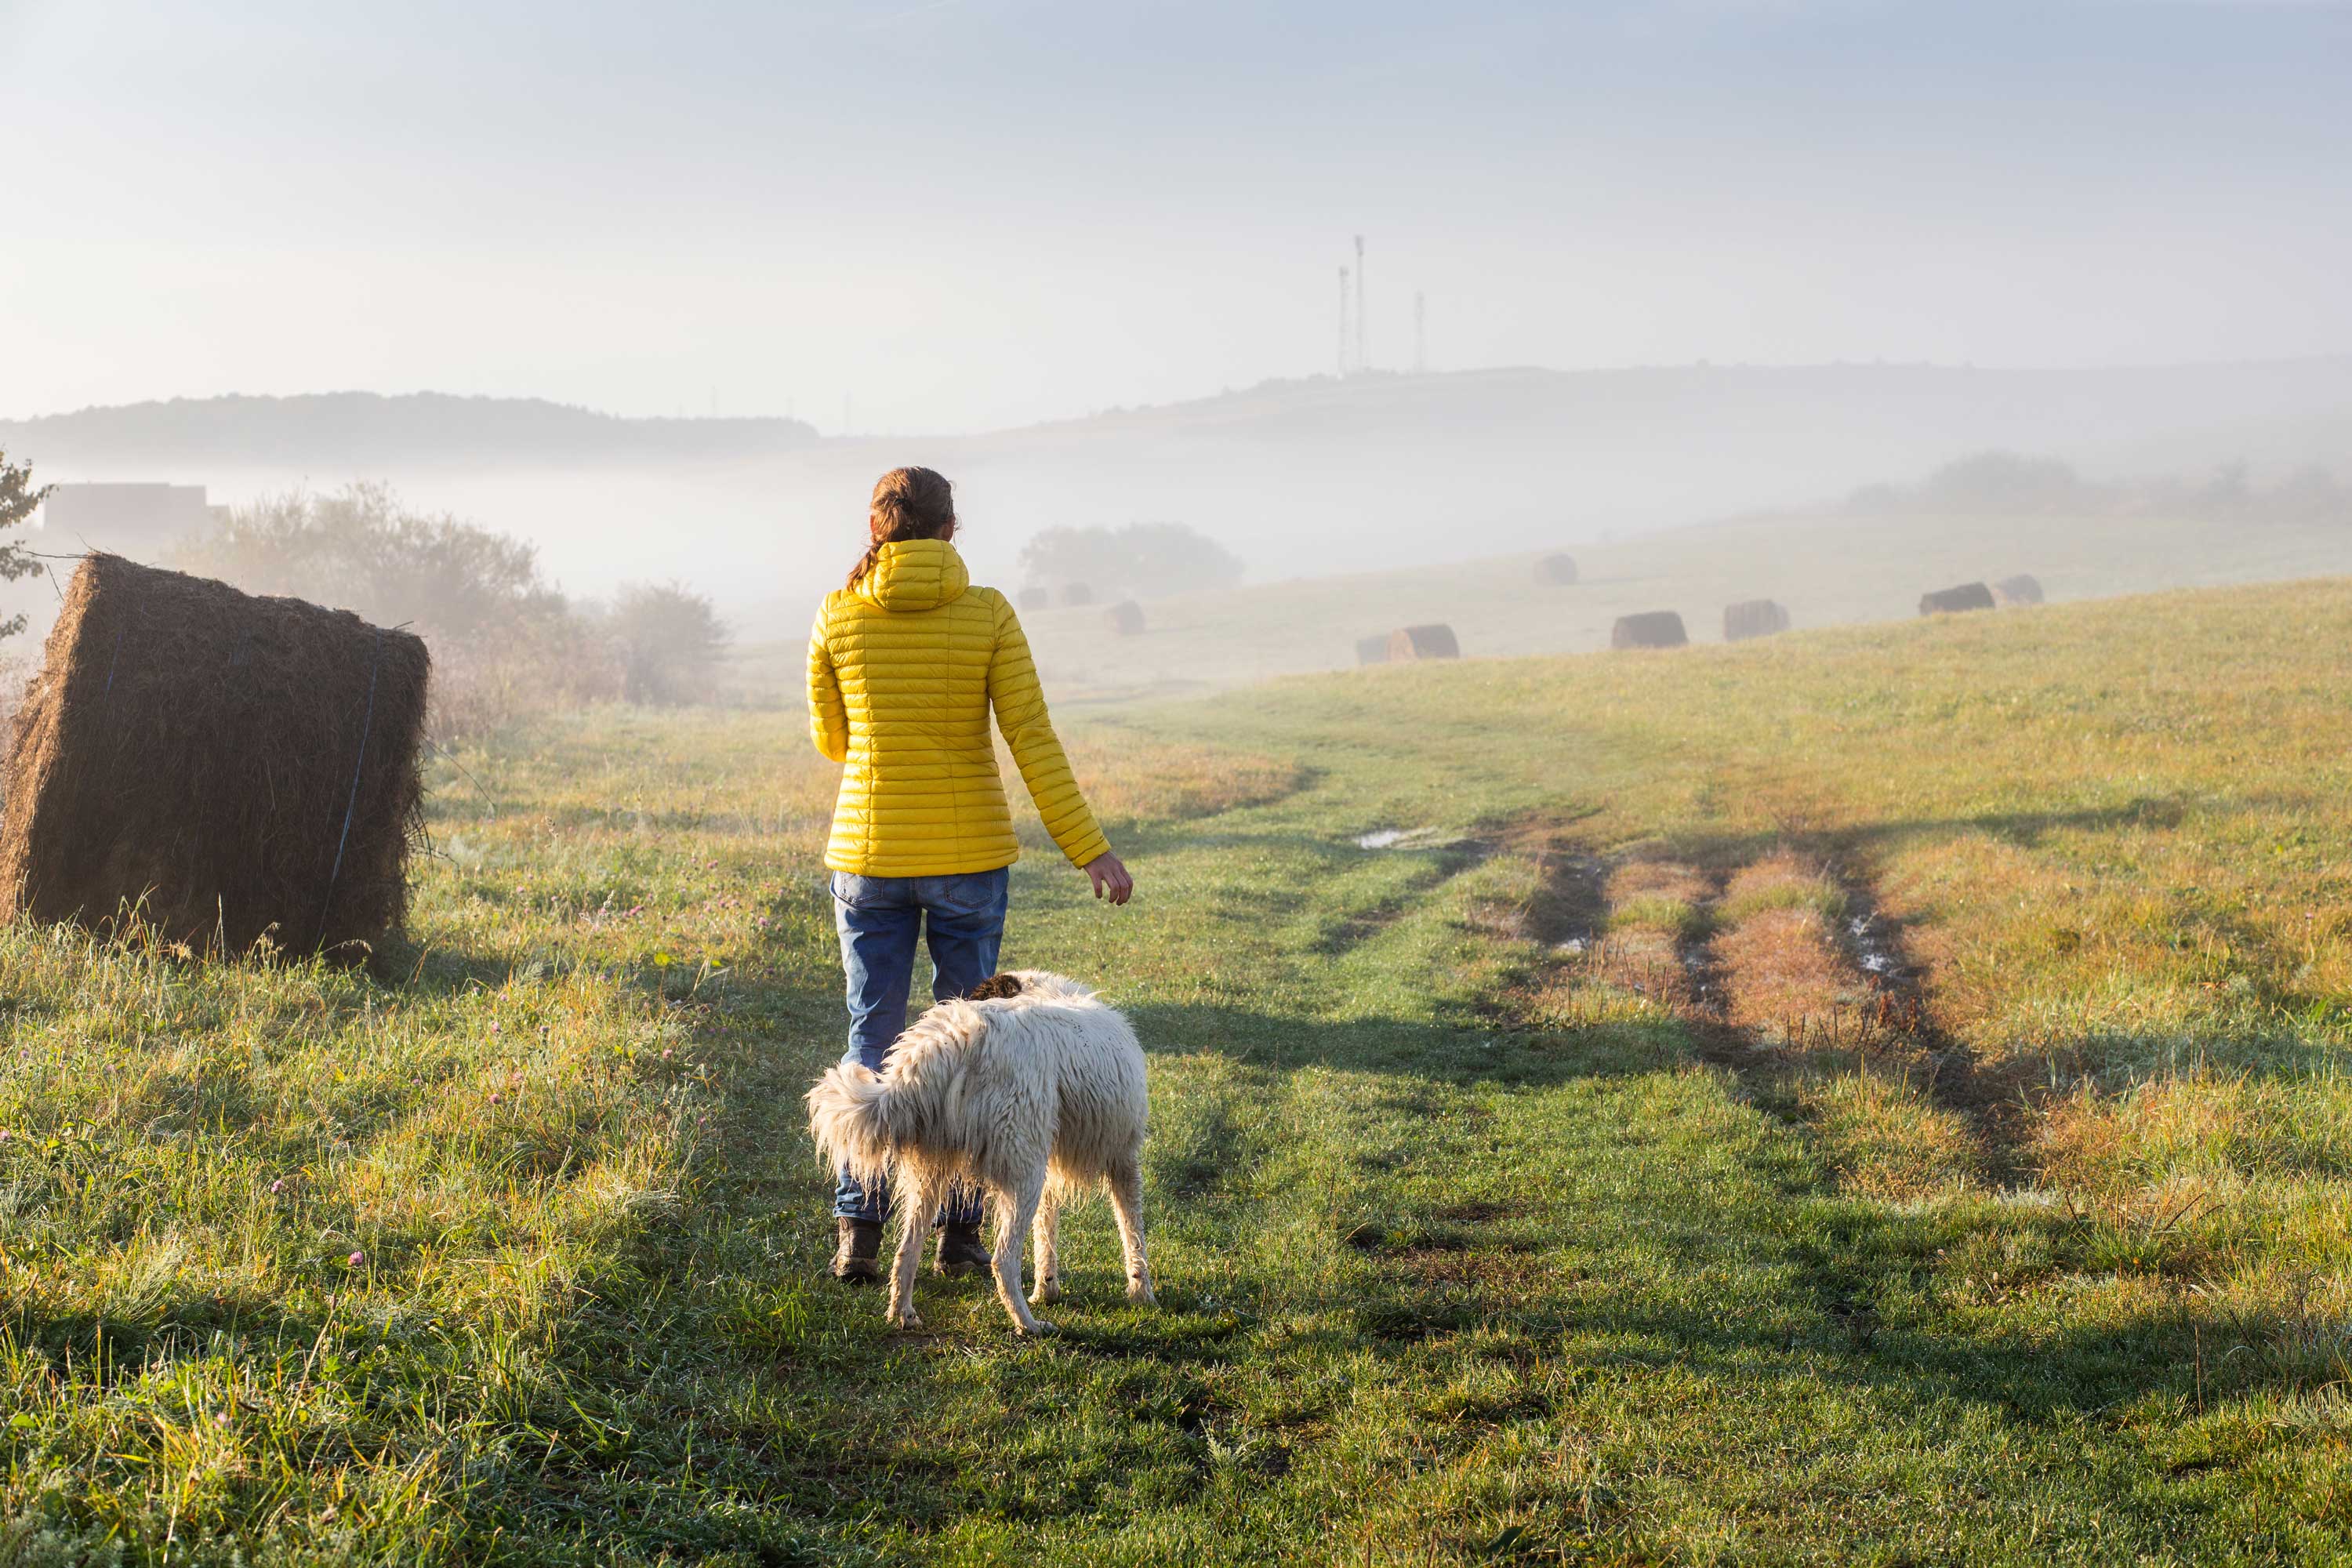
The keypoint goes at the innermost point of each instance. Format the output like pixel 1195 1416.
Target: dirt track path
pixel 1783 970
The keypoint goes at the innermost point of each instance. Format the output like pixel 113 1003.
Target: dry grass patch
pixel 1654 905
pixel 1128 778
pixel 2197 1125
pixel 1786 981
pixel 1783 881
pixel 1647 881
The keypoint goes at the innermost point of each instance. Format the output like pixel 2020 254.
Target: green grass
pixel 1470 1248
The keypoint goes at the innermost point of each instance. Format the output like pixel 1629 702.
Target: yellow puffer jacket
pixel 903 670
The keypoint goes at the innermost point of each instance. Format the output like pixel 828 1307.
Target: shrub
pixel 1988 483
pixel 504 643
pixel 19 501
pixel 668 640
pixel 1141 561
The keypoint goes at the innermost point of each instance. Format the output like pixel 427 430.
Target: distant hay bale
pixel 1652 629
pixel 1558 569
pixel 2018 590
pixel 1077 594
pixel 1126 618
pixel 1036 598
pixel 1422 642
pixel 229 766
pixel 1949 601
pixel 1373 650
pixel 1753 618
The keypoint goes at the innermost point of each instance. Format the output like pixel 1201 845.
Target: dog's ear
pixel 996 986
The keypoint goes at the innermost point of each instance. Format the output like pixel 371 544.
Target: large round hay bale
pixel 1034 597
pixel 1373 650
pixel 1422 642
pixel 1950 601
pixel 228 766
pixel 2018 590
pixel 1077 594
pixel 1558 569
pixel 1126 618
pixel 1651 629
pixel 1753 618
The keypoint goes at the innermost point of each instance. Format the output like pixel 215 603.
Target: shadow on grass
pixel 1454 1054
pixel 1726 852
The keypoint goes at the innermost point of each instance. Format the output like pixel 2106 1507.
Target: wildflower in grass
pixel 357 1258
pixel 494 1026
pixel 278 1185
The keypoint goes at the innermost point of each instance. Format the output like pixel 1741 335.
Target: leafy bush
pixel 2009 484
pixel 1142 560
pixel 1989 483
pixel 669 640
pixel 19 500
pixel 504 642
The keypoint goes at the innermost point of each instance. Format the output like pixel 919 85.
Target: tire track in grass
pixel 1787 974
pixel 1822 990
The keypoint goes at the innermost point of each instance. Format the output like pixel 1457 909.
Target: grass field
pixel 1831 569
pixel 1871 1096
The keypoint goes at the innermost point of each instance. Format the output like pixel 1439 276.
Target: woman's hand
pixel 1110 878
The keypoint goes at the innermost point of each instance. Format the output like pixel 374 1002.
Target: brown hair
pixel 909 503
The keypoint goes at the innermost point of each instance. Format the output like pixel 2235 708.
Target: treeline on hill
pixel 505 642
pixel 2013 484
pixel 1141 561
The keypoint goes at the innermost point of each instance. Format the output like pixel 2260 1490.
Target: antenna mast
pixel 1343 320
pixel 1361 363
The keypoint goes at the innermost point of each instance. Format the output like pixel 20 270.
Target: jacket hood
pixel 913 574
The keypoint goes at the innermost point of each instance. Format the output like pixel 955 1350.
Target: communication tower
pixel 1343 320
pixel 1361 363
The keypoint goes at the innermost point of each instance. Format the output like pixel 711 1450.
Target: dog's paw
pixel 1047 1293
pixel 1036 1329
pixel 1140 1294
pixel 905 1320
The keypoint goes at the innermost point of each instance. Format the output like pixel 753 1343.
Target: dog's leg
pixel 916 1202
pixel 1127 1203
pixel 1021 1212
pixel 1047 1236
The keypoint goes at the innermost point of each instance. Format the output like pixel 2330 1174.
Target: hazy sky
pixel 962 215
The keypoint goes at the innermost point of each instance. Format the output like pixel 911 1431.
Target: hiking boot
pixel 858 1259
pixel 962 1252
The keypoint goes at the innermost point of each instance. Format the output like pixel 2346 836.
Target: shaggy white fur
pixel 1033 1098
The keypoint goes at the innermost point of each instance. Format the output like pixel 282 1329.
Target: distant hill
pixel 2287 405
pixel 1879 416
pixel 1312 477
pixel 362 431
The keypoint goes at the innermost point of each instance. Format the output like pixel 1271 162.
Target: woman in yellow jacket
pixel 906 663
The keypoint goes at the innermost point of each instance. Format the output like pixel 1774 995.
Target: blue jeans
pixel 880 918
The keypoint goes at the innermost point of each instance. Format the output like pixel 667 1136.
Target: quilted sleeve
pixel 1019 705
pixel 828 717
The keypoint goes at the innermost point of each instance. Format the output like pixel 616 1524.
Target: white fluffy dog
pixel 1033 1093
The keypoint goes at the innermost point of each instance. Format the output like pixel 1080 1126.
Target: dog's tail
pixel 849 1118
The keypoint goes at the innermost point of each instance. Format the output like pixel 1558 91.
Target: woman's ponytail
pixel 909 503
